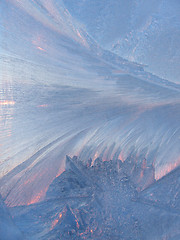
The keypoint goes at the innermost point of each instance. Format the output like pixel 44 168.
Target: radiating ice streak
pixel 126 138
pixel 68 100
pixel 50 16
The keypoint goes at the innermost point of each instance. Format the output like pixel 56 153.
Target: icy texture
pixel 142 31
pixel 8 230
pixel 101 201
pixel 61 93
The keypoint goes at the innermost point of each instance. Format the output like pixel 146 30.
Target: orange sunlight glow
pixel 6 102
pixel 38 197
pixel 77 224
pixel 54 223
pixel 120 157
pixel 38 42
pixel 41 49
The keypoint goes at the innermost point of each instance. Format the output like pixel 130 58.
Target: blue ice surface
pixel 143 31
pixel 63 91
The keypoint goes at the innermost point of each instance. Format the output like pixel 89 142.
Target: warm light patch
pixel 77 224
pixel 60 172
pixel 6 102
pixel 41 49
pixel 34 200
pixel 54 223
pixel 166 169
pixel 38 42
pixel 38 197
pixel 96 155
pixel 120 157
pixel 42 106
pixel 82 38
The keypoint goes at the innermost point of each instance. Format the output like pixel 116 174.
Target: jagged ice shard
pixel 69 85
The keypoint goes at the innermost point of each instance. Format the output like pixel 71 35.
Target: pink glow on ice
pixel 54 223
pixel 41 49
pixel 120 157
pixel 38 197
pixel 167 169
pixel 43 106
pixel 60 172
